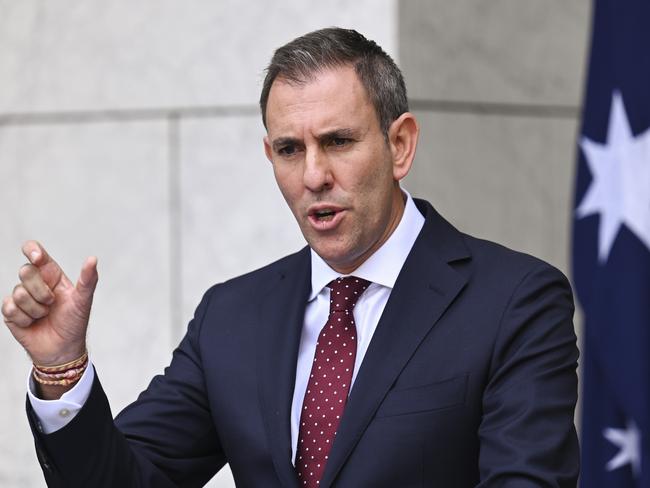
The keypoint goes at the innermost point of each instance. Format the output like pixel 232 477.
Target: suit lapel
pixel 424 289
pixel 282 312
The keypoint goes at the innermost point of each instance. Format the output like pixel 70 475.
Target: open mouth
pixel 324 215
pixel 326 218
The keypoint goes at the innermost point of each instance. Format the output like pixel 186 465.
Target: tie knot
pixel 345 292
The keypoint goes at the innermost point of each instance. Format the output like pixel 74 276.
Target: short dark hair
pixel 304 57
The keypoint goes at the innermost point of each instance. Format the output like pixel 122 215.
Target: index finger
pixel 48 268
pixel 36 253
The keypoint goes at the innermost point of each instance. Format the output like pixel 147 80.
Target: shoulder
pixel 514 281
pixel 476 258
pixel 262 279
pixel 498 261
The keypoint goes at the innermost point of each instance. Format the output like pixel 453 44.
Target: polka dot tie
pixel 329 381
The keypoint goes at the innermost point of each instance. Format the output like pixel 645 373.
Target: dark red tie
pixel 329 381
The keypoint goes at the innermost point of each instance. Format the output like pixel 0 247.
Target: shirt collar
pixel 384 265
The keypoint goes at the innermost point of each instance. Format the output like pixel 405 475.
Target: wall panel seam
pixel 156 114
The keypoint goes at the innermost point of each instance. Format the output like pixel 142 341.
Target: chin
pixel 338 261
pixel 333 257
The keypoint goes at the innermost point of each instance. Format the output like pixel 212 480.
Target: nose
pixel 317 175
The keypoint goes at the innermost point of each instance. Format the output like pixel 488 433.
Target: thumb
pixel 88 278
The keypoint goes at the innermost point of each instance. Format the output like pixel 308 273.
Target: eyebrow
pixel 284 141
pixel 344 133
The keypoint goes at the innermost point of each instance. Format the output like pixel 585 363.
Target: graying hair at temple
pixel 301 59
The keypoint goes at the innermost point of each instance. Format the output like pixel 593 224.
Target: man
pixel 392 351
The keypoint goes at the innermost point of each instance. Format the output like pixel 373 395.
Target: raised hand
pixel 46 313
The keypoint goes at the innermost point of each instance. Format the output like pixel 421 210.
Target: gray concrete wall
pixel 129 130
pixel 497 86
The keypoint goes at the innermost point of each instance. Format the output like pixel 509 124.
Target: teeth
pixel 325 214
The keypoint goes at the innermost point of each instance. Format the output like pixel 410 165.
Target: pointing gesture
pixel 46 313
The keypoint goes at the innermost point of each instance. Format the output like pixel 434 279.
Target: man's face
pixel 333 165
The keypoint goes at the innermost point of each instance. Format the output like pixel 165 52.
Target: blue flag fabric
pixel 611 248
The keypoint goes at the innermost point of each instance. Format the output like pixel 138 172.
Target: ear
pixel 402 140
pixel 267 149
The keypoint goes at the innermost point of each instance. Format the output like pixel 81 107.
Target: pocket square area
pixel 434 396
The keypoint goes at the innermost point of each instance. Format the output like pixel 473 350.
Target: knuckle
pixel 26 271
pixel 20 294
pixel 18 322
pixel 40 313
pixel 8 306
pixel 7 318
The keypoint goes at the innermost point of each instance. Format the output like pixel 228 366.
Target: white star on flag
pixel 620 186
pixel 629 443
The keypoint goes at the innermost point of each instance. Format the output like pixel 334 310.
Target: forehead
pixel 331 97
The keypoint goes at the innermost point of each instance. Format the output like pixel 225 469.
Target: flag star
pixel 620 186
pixel 628 441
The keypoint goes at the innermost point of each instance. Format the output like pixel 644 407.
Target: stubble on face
pixel 329 154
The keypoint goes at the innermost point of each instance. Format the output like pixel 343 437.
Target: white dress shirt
pixel 56 414
pixel 381 269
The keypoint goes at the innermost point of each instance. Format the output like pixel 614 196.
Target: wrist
pixel 60 358
pixel 51 392
pixel 53 381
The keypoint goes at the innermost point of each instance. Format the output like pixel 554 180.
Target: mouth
pixel 325 217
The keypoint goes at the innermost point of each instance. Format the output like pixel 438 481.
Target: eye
pixel 340 141
pixel 287 150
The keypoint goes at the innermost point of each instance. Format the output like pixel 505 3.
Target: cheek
pixel 376 182
pixel 375 192
pixel 284 180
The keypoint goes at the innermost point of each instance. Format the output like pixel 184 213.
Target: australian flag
pixel 611 248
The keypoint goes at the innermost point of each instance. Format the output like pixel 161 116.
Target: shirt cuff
pixel 56 414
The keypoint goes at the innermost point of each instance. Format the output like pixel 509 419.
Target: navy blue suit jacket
pixel 469 380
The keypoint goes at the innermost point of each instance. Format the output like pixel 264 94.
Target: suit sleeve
pixel 527 435
pixel 166 438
